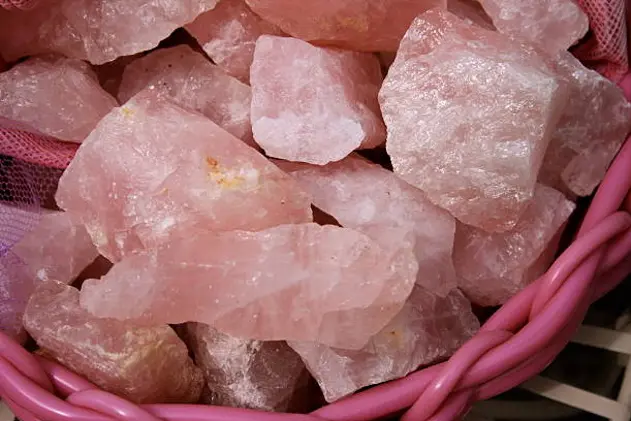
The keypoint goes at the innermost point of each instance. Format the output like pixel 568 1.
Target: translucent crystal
pixel 301 282
pixel 94 30
pixel 376 25
pixel 427 329
pixel 360 194
pixel 29 88
pixel 314 104
pixel 246 373
pixel 144 365
pixel 494 267
pixel 470 114
pixel 228 34
pixel 194 83
pixel 152 170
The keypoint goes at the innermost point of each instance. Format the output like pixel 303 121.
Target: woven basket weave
pixel 517 342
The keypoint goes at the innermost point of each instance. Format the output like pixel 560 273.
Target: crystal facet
pixel 301 282
pixel 144 365
pixel 94 30
pixel 246 373
pixel 494 267
pixel 470 114
pixel 427 329
pixel 194 83
pixel 314 104
pixel 360 194
pixel 375 25
pixel 228 34
pixel 54 96
pixel 152 170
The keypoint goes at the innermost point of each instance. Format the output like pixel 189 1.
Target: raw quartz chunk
pixel 228 34
pixel 144 365
pixel 427 329
pixel 152 170
pixel 555 25
pixel 94 30
pixel 472 11
pixel 580 151
pixel 301 282
pixel 470 114
pixel 314 104
pixel 361 25
pixel 195 83
pixel 494 267
pixel 29 88
pixel 58 248
pixel 360 194
pixel 245 373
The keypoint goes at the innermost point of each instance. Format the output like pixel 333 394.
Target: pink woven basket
pixel 516 343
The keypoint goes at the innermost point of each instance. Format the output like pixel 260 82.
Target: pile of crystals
pixel 225 177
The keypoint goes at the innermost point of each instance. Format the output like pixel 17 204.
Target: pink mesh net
pixel 18 4
pixel 606 47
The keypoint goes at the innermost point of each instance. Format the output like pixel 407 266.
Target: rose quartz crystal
pixel 494 267
pixel 470 114
pixel 302 282
pixel 360 194
pixel 144 365
pixel 195 83
pixel 246 373
pixel 472 11
pixel 94 30
pixel 555 25
pixel 58 248
pixel 29 88
pixel 152 170
pixel 314 104
pixel 228 34
pixel 427 329
pixel 581 150
pixel 376 25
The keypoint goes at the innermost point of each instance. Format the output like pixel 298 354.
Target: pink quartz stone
pixel 246 373
pixel 301 282
pixel 470 114
pixel 472 11
pixel 360 194
pixel 110 74
pixel 582 149
pixel 376 25
pixel 427 329
pixel 494 267
pixel 314 104
pixel 194 83
pixel 555 25
pixel 58 248
pixel 228 34
pixel 28 90
pixel 95 30
pixel 152 170
pixel 144 365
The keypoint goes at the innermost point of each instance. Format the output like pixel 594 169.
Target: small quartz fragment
pixel 144 365
pixel 555 25
pixel 246 373
pixel 314 104
pixel 494 267
pixel 152 170
pixel 228 34
pixel 581 150
pixel 58 248
pixel 194 83
pixel 28 90
pixel 94 30
pixel 376 25
pixel 360 194
pixel 470 114
pixel 301 282
pixel 427 329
